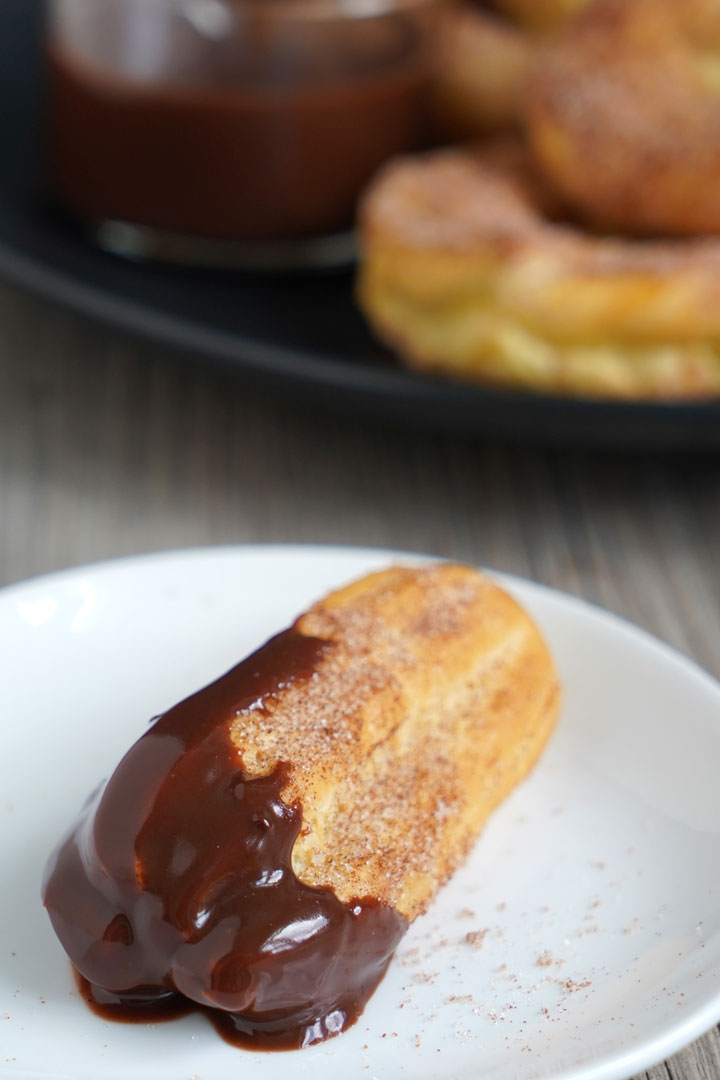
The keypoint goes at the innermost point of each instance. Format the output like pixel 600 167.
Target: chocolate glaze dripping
pixel 175 888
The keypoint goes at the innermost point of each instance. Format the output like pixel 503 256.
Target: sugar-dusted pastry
pixel 623 114
pixel 264 846
pixel 472 267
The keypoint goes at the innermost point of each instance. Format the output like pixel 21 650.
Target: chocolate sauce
pixel 270 134
pixel 176 884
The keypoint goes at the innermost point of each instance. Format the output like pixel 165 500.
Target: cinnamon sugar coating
pixel 623 114
pixel 434 698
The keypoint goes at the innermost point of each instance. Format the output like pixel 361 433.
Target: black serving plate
pixel 292 333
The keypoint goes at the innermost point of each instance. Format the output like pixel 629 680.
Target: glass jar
pixel 231 131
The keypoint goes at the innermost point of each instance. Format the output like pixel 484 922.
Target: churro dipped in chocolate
pixel 261 850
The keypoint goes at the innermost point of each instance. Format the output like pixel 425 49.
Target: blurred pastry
pixel 484 53
pixel 482 66
pixel 472 268
pixel 623 115
pixel 540 14
pixel 263 847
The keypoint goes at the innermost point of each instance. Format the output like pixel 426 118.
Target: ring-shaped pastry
pixel 623 115
pixel 470 270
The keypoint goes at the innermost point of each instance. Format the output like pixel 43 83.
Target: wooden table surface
pixel 109 446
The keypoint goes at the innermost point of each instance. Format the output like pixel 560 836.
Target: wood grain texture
pixel 110 447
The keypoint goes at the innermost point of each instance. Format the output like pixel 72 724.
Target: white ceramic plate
pixel 582 939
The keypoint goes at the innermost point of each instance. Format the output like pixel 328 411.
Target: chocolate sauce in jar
pixel 270 130
pixel 175 888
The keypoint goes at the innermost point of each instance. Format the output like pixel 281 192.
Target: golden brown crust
pixel 623 114
pixel 470 269
pixel 434 699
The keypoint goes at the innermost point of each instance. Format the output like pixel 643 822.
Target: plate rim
pixel 199 552
pixel 317 372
